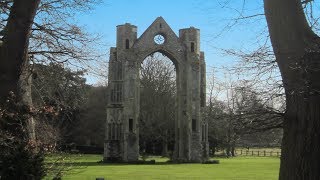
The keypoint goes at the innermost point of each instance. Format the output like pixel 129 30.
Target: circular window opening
pixel 159 39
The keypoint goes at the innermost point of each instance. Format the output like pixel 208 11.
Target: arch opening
pixel 162 52
pixel 158 96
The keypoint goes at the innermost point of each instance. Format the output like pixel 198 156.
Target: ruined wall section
pixel 204 121
pixel 124 90
pixel 113 134
pixel 175 50
pixel 126 36
pixel 190 37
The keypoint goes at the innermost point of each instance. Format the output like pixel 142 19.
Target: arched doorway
pixel 122 127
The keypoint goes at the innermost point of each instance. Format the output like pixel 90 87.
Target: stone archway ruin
pixel 122 129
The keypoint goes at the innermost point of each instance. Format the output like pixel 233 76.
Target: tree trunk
pixel 153 148
pixel 213 151
pixel 233 149
pixel 296 48
pixel 14 71
pixel 25 98
pixel 228 150
pixel 164 148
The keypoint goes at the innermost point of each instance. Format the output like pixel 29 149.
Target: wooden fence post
pixel 263 153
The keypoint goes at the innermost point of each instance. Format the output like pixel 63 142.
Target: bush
pixel 21 162
pixel 20 157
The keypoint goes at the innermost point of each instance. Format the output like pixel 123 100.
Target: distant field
pixel 238 168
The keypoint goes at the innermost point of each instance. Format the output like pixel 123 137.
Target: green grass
pixel 238 168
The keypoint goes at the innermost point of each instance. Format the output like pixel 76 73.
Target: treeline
pixel 75 111
pixel 243 119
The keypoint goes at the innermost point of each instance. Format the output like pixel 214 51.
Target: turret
pixel 190 37
pixel 126 35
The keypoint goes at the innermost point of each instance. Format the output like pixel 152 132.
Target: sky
pixel 212 17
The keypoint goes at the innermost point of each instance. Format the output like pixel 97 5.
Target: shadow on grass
pixel 100 163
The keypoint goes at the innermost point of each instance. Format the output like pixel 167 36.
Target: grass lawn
pixel 238 168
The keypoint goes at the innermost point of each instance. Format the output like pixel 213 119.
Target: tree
pixel 54 36
pixel 62 92
pixel 253 112
pixel 20 155
pixel 14 60
pixel 244 111
pixel 216 117
pixel 296 48
pixel 43 31
pixel 88 130
pixel 215 114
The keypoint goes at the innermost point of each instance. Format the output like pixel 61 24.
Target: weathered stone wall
pixel 196 148
pixel 124 88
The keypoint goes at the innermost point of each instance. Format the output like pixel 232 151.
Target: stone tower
pixel 122 128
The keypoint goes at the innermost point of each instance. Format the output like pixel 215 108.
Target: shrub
pixel 20 157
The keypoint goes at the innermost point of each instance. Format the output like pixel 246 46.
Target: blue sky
pixel 210 16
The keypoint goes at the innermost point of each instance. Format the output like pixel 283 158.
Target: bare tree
pixel 242 110
pixel 53 36
pixel 57 37
pixel 254 113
